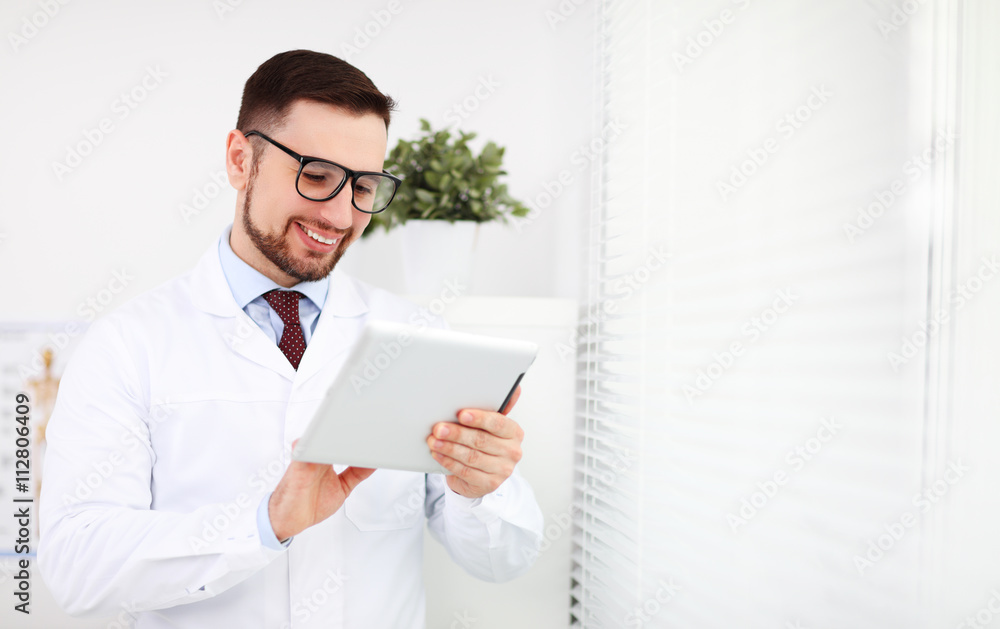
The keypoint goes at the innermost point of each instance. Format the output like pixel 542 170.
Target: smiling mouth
pixel 317 237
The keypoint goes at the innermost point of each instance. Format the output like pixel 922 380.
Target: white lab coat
pixel 175 417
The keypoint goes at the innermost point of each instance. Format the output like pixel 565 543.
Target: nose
pixel 338 211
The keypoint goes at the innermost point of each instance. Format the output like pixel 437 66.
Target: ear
pixel 239 153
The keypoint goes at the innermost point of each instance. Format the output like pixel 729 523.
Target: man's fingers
pixel 473 477
pixel 513 400
pixel 352 477
pixel 472 458
pixel 472 437
pixel 494 423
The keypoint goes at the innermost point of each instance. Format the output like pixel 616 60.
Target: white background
pixel 66 243
pixel 120 208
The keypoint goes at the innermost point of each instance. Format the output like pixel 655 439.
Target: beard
pixel 277 249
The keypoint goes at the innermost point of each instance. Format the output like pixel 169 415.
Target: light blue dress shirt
pixel 248 284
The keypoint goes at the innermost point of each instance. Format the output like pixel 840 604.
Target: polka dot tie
pixel 286 304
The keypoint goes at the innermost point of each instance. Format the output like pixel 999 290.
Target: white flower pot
pixel 435 252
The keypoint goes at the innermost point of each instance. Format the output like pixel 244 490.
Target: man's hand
pixel 480 451
pixel 309 493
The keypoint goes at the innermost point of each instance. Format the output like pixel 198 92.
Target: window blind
pixel 752 346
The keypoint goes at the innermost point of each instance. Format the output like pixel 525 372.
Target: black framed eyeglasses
pixel 320 180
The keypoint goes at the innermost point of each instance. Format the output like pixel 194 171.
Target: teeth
pixel 318 238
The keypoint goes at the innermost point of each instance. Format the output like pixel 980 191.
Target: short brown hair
pixel 304 74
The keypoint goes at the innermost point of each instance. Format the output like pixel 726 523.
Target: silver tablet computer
pixel 398 381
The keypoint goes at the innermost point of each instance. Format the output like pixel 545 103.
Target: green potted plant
pixel 446 193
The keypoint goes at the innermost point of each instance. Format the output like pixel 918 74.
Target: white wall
pixel 119 209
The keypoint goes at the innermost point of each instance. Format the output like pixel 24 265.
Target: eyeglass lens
pixel 318 180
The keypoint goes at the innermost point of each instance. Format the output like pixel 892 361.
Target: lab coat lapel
pixel 210 293
pixel 339 324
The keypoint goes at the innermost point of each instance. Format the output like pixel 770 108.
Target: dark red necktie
pixel 286 304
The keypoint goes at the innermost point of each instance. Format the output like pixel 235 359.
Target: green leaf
pixel 449 170
pixel 490 152
pixel 434 179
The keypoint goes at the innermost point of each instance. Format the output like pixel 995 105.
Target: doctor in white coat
pixel 170 497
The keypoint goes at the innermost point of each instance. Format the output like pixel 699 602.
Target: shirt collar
pixel 247 283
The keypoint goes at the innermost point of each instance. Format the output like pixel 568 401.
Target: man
pixel 169 494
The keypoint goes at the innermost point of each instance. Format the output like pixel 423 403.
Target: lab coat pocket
pixel 387 500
